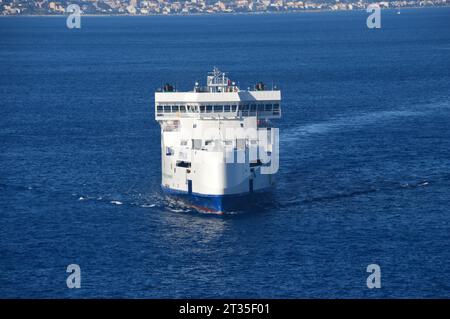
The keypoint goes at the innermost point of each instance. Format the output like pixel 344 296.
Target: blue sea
pixel 364 167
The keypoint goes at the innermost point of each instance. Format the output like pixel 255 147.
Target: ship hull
pixel 217 204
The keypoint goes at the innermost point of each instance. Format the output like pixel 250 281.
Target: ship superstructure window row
pixel 246 109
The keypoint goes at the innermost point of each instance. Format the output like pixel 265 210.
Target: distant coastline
pixel 60 15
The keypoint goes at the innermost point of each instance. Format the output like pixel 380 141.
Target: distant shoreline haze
pixel 59 15
pixel 199 7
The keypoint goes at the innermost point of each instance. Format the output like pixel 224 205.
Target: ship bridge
pixel 220 98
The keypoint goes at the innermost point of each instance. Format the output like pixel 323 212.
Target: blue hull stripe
pixel 213 203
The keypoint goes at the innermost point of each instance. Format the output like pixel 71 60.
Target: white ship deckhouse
pixel 217 142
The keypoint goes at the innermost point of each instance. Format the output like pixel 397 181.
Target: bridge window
pixel 218 108
pixel 276 109
pixel 202 109
pixel 175 108
pixel 226 108
pixel 208 108
pixel 159 109
pixel 268 107
pixel 252 107
pixel 260 107
pixel 183 108
pixel 166 108
pixel 244 109
pixel 233 108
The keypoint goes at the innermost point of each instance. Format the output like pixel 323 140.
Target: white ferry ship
pixel 218 147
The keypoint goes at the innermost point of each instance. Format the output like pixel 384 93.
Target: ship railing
pixel 261 110
pixel 217 115
pixel 216 88
pixel 228 89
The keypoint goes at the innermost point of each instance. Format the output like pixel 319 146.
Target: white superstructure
pixel 217 140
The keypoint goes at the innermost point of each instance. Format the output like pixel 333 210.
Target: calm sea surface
pixel 365 157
